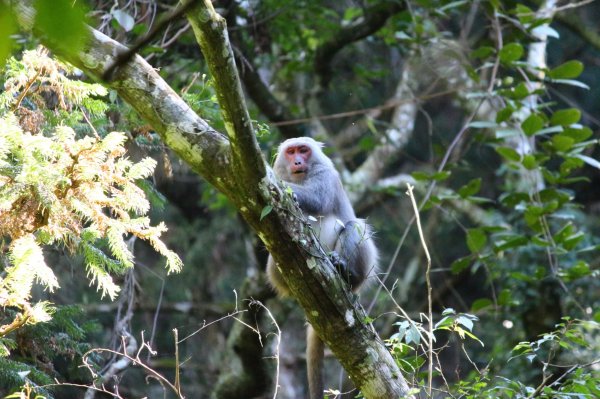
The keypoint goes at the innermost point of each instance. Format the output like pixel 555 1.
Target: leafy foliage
pixel 60 190
pixel 47 350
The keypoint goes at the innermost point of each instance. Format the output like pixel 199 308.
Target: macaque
pixel 317 187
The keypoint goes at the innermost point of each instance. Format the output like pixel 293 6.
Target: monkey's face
pixel 298 157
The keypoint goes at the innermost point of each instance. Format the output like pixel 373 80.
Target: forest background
pixel 132 264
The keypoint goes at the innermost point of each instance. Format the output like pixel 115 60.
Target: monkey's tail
pixel 315 351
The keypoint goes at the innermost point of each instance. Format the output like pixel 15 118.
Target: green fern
pixel 56 188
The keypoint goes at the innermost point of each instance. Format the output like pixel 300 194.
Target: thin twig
pixel 278 339
pixel 388 104
pixel 428 281
pixel 89 123
pixel 177 369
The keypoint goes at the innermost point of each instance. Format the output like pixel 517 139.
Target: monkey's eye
pixel 290 150
pixel 303 150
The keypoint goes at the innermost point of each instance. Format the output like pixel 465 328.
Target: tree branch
pixel 211 33
pixel 373 19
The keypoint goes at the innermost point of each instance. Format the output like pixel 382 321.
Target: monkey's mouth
pixel 299 171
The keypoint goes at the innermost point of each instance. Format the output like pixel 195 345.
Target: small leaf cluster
pixel 411 335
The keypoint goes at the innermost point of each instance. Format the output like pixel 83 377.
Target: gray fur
pixel 320 193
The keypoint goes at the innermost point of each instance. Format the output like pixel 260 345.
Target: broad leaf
pixel 511 52
pixel 568 70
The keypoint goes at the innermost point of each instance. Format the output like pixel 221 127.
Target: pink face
pixel 297 157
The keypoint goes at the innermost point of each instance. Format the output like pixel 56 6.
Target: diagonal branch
pixel 211 33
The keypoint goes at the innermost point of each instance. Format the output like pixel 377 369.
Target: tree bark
pixel 234 165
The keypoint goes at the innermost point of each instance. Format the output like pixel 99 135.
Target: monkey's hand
pixel 340 265
pixel 345 270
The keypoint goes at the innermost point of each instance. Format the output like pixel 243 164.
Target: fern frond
pixel 132 198
pixel 112 141
pixel 41 312
pixel 142 169
pixel 117 246
pixel 6 344
pixel 103 281
pixel 28 264
pixel 96 256
pixel 174 263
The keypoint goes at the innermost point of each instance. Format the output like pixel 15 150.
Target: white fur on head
pixel 301 140
pixel 318 158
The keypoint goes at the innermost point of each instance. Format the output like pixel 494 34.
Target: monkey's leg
pixel 314 363
pixel 353 249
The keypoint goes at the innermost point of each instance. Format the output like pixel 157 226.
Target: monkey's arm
pixel 357 253
pixel 317 196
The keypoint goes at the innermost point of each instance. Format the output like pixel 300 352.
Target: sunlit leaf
pixel 568 70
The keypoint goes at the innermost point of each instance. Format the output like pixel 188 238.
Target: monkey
pixel 317 187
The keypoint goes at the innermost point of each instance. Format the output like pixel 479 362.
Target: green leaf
pixel 532 124
pixel 470 188
pixel 529 162
pixel 566 117
pixel 508 153
pixel 504 114
pixel 578 134
pixel 483 52
pixel 568 70
pixel 505 298
pixel 562 143
pixel 481 303
pixel 511 52
pixel 510 242
pixel 518 92
pixel 476 239
pixel 524 13
pixel 352 13
pixel 62 22
pixel 437 176
pixel 266 210
pixel 572 241
pixel 8 26
pixel 460 264
pixel 412 335
pixel 578 270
